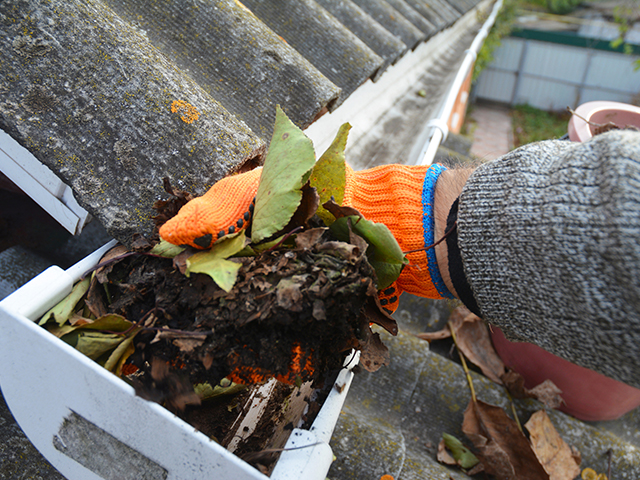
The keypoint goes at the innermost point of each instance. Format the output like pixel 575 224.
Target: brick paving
pixel 492 134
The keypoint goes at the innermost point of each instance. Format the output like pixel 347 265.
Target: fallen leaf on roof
pixel 546 392
pixel 473 340
pixel 502 448
pixel 552 451
pixel 460 455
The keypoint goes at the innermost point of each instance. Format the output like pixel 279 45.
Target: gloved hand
pixel 399 196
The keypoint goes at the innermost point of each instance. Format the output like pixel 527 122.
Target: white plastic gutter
pixel 440 129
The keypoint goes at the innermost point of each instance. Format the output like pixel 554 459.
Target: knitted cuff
pixel 401 197
pixel 456 269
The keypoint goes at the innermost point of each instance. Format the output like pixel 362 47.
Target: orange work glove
pixel 399 196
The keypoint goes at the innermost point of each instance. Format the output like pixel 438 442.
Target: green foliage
pixel 501 28
pixel 287 167
pixel 329 175
pixel 166 249
pixel 533 125
pixel 63 310
pixel 384 253
pixel 461 454
pixel 562 7
pixel 214 262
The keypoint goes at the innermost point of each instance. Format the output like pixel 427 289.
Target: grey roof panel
pixel 413 16
pixel 380 40
pixel 432 14
pixel 211 40
pixel 392 20
pixel 445 9
pixel 320 38
pixel 95 102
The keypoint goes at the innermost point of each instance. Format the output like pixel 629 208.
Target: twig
pixel 609 454
pixel 513 410
pixel 455 224
pixel 464 363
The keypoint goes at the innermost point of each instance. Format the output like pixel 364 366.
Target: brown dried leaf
pixel 546 393
pixel 456 318
pixel 338 211
pixel 373 313
pixel 502 448
pixel 309 238
pixel 102 272
pixel 443 456
pixel 475 343
pixel 552 451
pixel 373 353
pixel 94 300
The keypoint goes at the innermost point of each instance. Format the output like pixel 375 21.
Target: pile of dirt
pixel 293 313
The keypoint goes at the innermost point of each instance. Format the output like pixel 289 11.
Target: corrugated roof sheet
pixel 234 57
pixel 380 40
pixel 339 54
pixel 89 86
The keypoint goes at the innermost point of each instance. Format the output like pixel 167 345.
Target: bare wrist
pixel 448 188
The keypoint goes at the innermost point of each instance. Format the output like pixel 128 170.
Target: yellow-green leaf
pixel 459 452
pixel 63 310
pixel 166 249
pixel 329 174
pixel 287 167
pixel 95 344
pixel 214 262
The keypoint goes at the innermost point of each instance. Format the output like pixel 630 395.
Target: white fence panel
pixel 553 61
pixel 553 76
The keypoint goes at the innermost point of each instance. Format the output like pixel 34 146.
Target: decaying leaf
pixel 460 455
pixel 287 167
pixel 474 341
pixel 340 211
pixel 552 451
pixel 108 259
pixel 329 174
pixel 373 353
pixel 65 308
pixel 502 448
pixel 546 393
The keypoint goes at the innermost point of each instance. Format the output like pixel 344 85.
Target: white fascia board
pixel 41 184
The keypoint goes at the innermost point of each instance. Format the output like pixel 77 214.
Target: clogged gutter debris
pixel 184 325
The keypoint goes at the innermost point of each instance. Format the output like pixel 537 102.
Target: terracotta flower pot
pixel 601 113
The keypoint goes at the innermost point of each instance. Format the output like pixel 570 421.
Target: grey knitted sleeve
pixel 549 236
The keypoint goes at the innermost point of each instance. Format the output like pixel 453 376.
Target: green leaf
pixel 205 391
pixel 384 253
pixel 286 169
pixel 459 452
pixel 121 353
pixel 166 249
pixel 95 344
pixel 213 262
pixel 329 176
pixel 111 322
pixel 63 310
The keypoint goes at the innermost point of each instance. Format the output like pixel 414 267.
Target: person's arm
pixel 549 237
